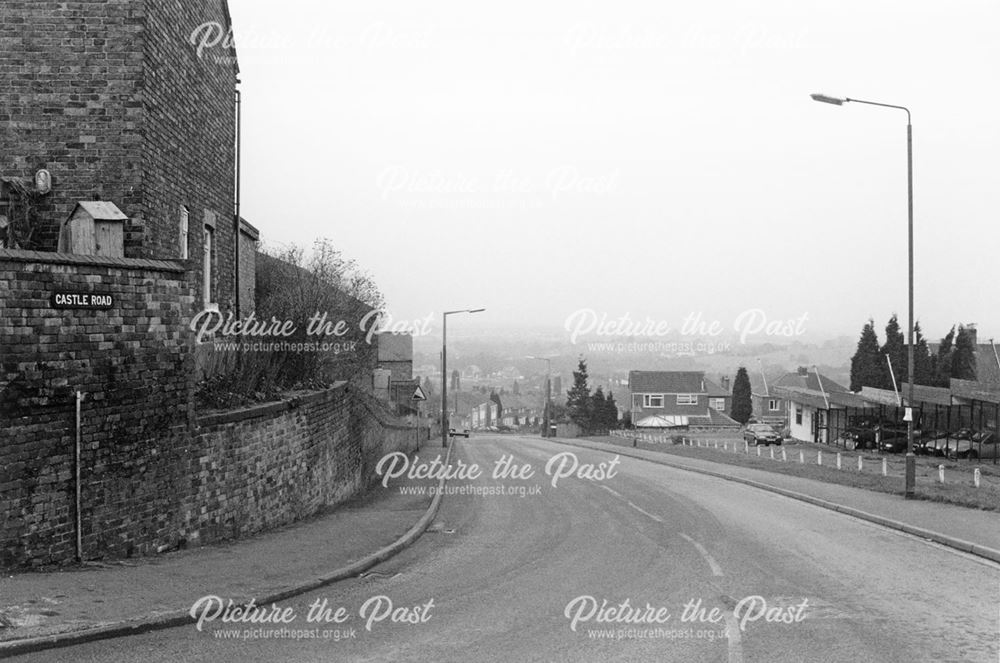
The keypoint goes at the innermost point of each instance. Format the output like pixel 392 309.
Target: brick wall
pixel 70 102
pixel 249 237
pixel 153 475
pixel 188 154
pixel 132 363
pixel 270 465
pixel 113 99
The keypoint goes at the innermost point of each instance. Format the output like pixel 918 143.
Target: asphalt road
pixel 510 576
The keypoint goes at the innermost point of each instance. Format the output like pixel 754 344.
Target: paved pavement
pixel 74 599
pixel 504 576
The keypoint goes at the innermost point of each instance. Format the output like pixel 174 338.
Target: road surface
pixel 542 575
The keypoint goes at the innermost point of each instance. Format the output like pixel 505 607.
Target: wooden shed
pixel 95 227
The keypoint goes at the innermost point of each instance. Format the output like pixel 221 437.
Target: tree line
pixel 955 357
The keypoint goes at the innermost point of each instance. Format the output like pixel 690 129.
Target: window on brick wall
pixel 5 239
pixel 207 261
pixel 652 400
pixel 182 233
pixel 773 405
pixel 687 399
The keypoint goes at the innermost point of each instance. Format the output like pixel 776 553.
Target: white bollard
pixel 838 460
pixel 802 458
pixel 716 444
pixel 885 467
pixel 784 456
pixel 771 449
pixel 860 463
pixel 975 477
pixel 819 457
pixel 940 473
pixel 758 451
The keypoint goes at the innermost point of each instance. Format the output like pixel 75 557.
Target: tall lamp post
pixel 911 462
pixel 548 393
pixel 444 369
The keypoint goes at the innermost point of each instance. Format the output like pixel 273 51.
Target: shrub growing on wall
pixel 295 286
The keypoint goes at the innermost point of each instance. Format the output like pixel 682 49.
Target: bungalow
pixel 818 415
pixel 665 399
pixel 769 404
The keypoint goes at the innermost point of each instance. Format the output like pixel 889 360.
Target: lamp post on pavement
pixel 548 393
pixel 911 462
pixel 444 369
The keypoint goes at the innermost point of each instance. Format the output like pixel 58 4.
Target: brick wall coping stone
pixel 265 409
pixel 49 257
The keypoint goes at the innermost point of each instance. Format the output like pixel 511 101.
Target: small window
pixel 687 399
pixel 652 400
pixel 798 415
pixel 207 266
pixel 182 234
pixel 773 405
pixel 717 404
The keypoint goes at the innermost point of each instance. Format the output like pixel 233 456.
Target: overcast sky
pixel 643 158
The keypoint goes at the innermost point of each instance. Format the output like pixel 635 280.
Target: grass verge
pixel 957 489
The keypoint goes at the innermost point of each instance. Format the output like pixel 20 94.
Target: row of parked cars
pixel 964 443
pixel 871 434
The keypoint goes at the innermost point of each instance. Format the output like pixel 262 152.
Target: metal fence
pixel 958 431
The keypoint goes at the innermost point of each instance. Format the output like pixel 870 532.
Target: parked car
pixel 982 444
pixel 756 434
pixel 892 440
pixel 945 445
pixel 924 441
pixel 861 435
pixel 454 433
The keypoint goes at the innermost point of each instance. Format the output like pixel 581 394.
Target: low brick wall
pixel 271 465
pixel 239 473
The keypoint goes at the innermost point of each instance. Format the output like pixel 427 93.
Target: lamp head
pixel 836 101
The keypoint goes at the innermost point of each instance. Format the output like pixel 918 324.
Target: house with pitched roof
pixel 675 399
pixel 770 405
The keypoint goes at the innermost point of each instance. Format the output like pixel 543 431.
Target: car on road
pixel 757 434
pixel 454 433
pixel 981 444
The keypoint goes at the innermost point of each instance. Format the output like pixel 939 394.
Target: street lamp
pixel 911 461
pixel 444 369
pixel 548 393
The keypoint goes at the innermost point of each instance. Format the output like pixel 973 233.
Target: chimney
pixel 803 371
pixel 970 329
pixel 725 383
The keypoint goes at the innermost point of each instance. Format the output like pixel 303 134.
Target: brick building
pixel 112 101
